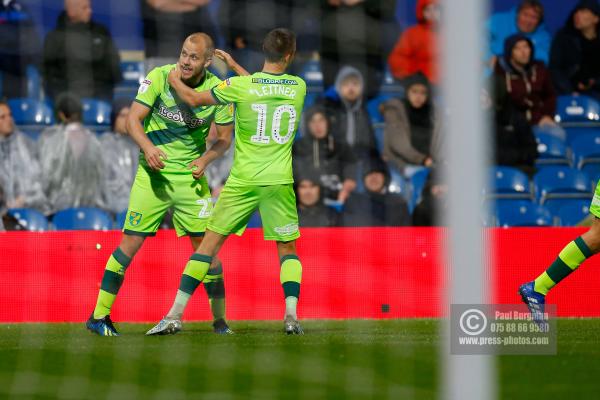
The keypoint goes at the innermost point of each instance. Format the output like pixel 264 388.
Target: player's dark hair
pixel 70 106
pixel 536 5
pixel 278 43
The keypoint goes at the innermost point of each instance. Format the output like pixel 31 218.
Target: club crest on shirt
pixel 144 86
pixel 224 84
pixel 135 218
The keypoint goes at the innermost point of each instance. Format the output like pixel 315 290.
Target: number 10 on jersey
pixel 261 137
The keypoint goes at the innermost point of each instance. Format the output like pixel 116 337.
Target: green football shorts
pixel 276 204
pixel 152 195
pixel 595 207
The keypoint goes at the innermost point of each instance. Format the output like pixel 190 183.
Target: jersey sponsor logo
pixel 179 116
pixel 287 229
pixel 135 218
pixel 144 86
pixel 269 81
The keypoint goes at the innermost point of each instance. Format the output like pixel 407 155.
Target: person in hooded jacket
pixel 312 212
pixel 331 159
pixel 417 47
pixel 412 132
pixel 527 19
pixel 80 56
pixel 121 155
pixel 527 84
pixel 350 121
pixel 376 206
pixel 575 53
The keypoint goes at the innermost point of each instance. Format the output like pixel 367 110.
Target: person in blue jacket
pixel 527 19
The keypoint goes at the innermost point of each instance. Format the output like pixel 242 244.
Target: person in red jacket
pixel 416 49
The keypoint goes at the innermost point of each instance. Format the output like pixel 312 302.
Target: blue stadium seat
pixel 390 84
pixel 83 218
pixel 399 185
pixel 132 72
pixel 552 150
pixel 34 83
pixel 310 99
pixel 508 183
pixel 418 180
pixel 96 112
pixel 255 221
pixel 373 107
pixel 573 132
pixel 521 213
pixel 379 138
pixel 573 212
pixel 555 183
pixel 311 73
pixel 30 219
pixel 586 154
pixel 31 112
pixel 577 109
pixel 120 219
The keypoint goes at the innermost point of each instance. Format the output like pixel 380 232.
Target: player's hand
pixel 197 166
pixel 226 57
pixel 175 75
pixel 154 157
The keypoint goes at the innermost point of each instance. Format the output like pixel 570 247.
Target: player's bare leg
pixel 290 277
pixel 100 322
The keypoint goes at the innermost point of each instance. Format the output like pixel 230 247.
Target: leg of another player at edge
pixel 114 273
pixel 214 284
pixel 571 256
pixel 195 271
pixel 290 276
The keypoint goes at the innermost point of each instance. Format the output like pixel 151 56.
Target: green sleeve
pixel 224 114
pixel 231 90
pixel 150 88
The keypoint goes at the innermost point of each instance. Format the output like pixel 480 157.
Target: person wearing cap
pixel 121 158
pixel 412 132
pixel 376 206
pixel 575 54
pixel 527 19
pixel 525 82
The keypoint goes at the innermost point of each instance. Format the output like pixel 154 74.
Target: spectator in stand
pixel 433 202
pixel 526 19
pixel 245 24
pixel 412 132
pixel 166 24
pixel 20 172
pixel 350 121
pixel 71 159
pixel 353 32
pixel 417 47
pixel 527 84
pixel 19 46
pixel 376 207
pixel 575 56
pixel 218 170
pixel 515 144
pixel 120 159
pixel 331 158
pixel 80 56
pixel 311 210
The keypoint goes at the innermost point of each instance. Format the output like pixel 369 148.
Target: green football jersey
pixel 176 128
pixel 267 115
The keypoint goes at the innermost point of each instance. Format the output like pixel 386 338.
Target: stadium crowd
pixel 360 158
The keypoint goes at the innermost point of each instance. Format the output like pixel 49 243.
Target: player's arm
pixel 187 94
pixel 219 147
pixel 231 63
pixel 153 154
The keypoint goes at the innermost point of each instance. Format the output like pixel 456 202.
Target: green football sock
pixel 194 272
pixel 215 289
pixel 568 260
pixel 111 282
pixel 290 277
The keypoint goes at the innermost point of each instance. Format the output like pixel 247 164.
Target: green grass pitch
pixel 357 359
